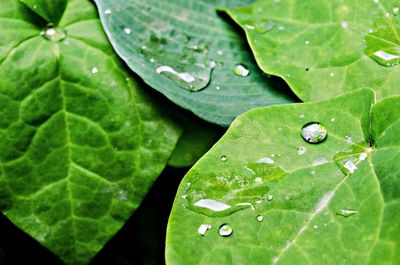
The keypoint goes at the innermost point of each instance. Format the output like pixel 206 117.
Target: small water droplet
pixel 281 28
pixel 333 119
pixel 128 31
pixel 258 180
pixel 346 212
pixel 349 139
pixel 307 42
pixel 217 87
pixel 350 166
pixel 315 226
pixel 220 53
pixel 260 218
pixel 302 150
pixel 345 25
pixel 263 27
pixel 225 230
pixel 265 160
pixel 314 132
pixel 203 229
pixel 396 10
pixel 54 34
pixel 94 70
pixel 241 70
pixel 224 158
pixel 332 74
pixel 107 11
pixel 270 197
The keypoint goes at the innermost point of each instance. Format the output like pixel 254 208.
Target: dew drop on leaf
pixel 260 218
pixel 314 132
pixel 241 70
pixel 224 158
pixel 302 150
pixel 225 230
pixel 203 229
pixel 54 34
pixel 107 11
pixel 128 31
pixel 346 212
pixel 270 197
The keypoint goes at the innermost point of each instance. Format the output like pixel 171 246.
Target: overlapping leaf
pixel 185 50
pixel 291 202
pixel 324 48
pixel 80 143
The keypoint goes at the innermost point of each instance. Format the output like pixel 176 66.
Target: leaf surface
pixel 80 142
pixel 185 50
pixel 292 202
pixel 325 48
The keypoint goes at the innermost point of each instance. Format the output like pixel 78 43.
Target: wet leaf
pixel 315 212
pixel 188 52
pixel 326 48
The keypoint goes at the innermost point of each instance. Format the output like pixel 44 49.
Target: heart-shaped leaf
pixel 325 48
pixel 185 50
pixel 265 195
pixel 80 143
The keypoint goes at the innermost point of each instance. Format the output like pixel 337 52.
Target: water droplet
pixel 349 139
pixel 314 132
pixel 107 11
pixel 345 25
pixel 258 180
pixel 346 212
pixel 265 160
pixel 203 229
pixel 382 45
pixel 225 230
pixel 94 70
pixel 307 42
pixel 54 34
pixel 302 150
pixel 260 218
pixel 332 74
pixel 350 166
pixel 217 87
pixel 315 226
pixel 270 197
pixel 128 31
pixel 301 116
pixel 241 70
pixel 224 158
pixel 212 205
pixel 396 10
pixel 333 119
pixel 281 28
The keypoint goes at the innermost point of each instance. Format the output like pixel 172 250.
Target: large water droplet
pixel 241 70
pixel 54 34
pixel 383 44
pixel 225 230
pixel 188 80
pixel 314 132
pixel 203 229
pixel 346 212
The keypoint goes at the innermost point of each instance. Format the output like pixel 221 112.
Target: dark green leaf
pixel 167 42
pixel 292 202
pixel 80 142
pixel 50 10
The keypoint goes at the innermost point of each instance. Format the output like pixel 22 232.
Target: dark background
pixel 141 240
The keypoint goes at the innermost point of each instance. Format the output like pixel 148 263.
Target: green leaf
pixel 318 47
pixel 197 138
pixel 50 10
pixel 80 142
pixel 292 202
pixel 187 40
